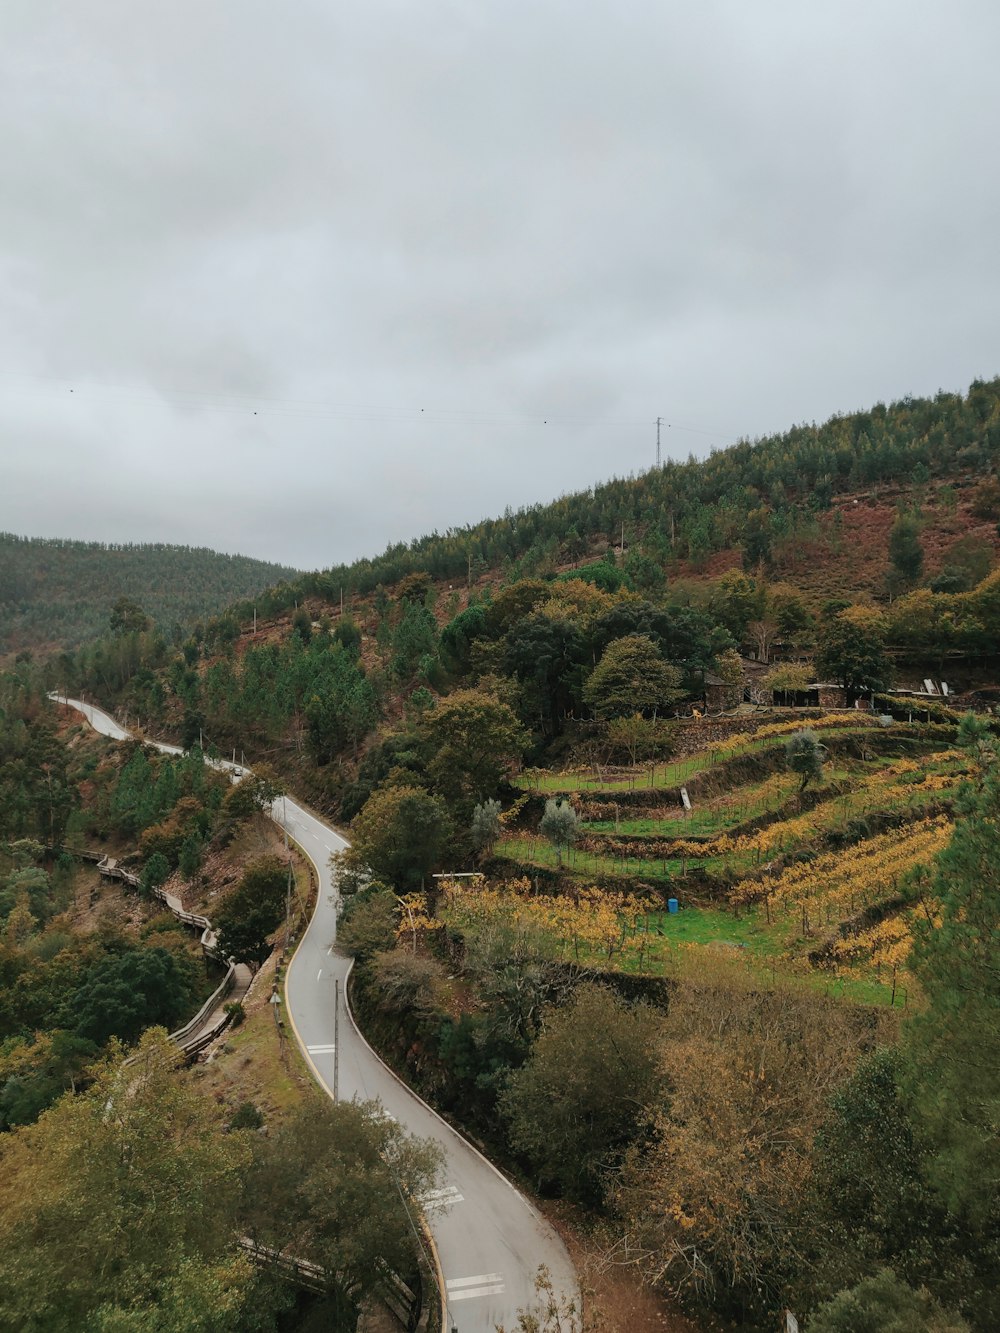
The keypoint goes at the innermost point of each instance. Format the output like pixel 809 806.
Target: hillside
pixel 667 794
pixel 771 502
pixel 54 594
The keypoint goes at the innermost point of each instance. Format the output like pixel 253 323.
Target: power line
pixel 264 405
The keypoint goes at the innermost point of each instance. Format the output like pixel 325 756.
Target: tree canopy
pixel 630 678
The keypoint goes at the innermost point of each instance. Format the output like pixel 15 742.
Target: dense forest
pixel 56 593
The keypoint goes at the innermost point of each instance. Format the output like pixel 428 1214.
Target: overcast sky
pixel 298 280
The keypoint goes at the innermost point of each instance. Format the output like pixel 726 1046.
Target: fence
pixel 188 1037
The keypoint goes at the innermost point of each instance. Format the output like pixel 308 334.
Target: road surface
pixel 489 1238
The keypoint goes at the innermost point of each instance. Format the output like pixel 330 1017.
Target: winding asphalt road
pixel 489 1238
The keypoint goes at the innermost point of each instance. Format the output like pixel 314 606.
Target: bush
pixel 883 1304
pixel 368 922
pixel 246 1116
pixel 408 982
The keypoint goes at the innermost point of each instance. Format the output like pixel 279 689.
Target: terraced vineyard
pixel 819 883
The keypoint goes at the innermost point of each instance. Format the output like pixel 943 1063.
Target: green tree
pixel 460 634
pixel 118 1210
pixel 966 564
pixel 367 922
pixel 485 828
pixel 546 654
pixel 125 993
pixel 641 738
pixel 804 756
pixel 341 705
pixel 254 793
pixel 155 872
pixel 884 1304
pixel 348 635
pixel 127 617
pixel 736 600
pixel 955 962
pixel 329 1185
pixel 253 911
pixel 631 678
pixel 400 835
pixel 472 741
pixel 871 1205
pixel 578 1100
pixel 189 860
pixel 906 555
pixel 560 824
pixel 644 574
pixel 414 639
pixel 757 539
pixel 55 1063
pixel 851 653
pixel 302 625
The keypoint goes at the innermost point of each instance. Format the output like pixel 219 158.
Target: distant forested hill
pixel 765 499
pixel 56 593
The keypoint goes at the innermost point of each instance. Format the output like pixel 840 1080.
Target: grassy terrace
pixel 878 790
pixel 706 939
pixel 719 814
pixel 690 937
pixel 678 772
pixel 780 913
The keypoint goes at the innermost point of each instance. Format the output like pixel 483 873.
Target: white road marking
pixel 442 1198
pixel 382 1114
pixel 319 975
pixel 328 1049
pixel 484 1284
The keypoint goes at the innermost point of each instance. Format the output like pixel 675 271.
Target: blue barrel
pixel 671 904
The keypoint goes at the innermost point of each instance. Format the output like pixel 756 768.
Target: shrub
pixel 246 1116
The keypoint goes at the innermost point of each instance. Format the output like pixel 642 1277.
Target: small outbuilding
pixel 828 695
pixel 721 694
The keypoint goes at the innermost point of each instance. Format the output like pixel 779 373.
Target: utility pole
pixel 288 898
pixel 336 1040
pixel 658 420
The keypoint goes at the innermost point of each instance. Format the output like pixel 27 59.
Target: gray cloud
pixel 301 281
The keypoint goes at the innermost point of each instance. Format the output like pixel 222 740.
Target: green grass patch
pixel 673 774
pixel 719 814
pixel 681 771
pixel 530 850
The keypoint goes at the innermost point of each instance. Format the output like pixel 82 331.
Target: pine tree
pixel 954 1043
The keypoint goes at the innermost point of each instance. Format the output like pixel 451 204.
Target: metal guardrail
pixel 403 1302
pixel 183 1037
